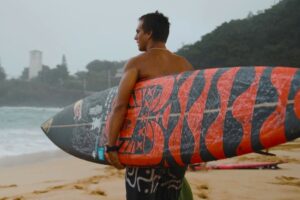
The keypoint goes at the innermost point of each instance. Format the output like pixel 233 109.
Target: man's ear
pixel 149 34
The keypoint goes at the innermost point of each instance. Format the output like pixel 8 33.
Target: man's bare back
pixel 158 62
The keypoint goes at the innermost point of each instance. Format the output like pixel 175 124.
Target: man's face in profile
pixel 141 37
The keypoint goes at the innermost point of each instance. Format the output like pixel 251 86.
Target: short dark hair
pixel 158 24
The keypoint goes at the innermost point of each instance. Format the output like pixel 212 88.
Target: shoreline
pixel 31 158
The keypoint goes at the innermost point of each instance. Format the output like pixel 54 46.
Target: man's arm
pixel 119 110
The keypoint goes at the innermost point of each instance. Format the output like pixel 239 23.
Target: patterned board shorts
pixel 154 183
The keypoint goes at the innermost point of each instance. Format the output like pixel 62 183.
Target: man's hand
pixel 114 160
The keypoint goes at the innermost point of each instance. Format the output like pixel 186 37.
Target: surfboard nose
pixel 47 125
pixel 59 128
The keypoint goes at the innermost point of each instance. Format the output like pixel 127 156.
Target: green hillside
pixel 269 38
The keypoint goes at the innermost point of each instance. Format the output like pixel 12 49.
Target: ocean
pixel 20 131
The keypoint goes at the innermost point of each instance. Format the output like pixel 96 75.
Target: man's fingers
pixel 117 164
pixel 114 160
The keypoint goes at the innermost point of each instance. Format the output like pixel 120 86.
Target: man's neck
pixel 156 45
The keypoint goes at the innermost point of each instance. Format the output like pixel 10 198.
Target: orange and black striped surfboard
pixel 187 118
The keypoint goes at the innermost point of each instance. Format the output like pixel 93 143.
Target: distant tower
pixel 35 65
pixel 64 60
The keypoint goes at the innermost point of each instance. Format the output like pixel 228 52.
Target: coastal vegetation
pixel 271 37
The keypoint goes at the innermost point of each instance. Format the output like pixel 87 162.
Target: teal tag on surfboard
pixel 101 152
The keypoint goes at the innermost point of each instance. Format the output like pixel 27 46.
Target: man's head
pixel 158 24
pixel 153 26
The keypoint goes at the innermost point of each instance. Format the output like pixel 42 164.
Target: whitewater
pixel 20 131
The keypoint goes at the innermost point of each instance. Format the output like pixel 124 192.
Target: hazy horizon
pixel 89 30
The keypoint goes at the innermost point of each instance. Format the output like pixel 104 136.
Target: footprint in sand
pixel 79 187
pixel 113 172
pixel 40 191
pixel 98 192
pixel 19 198
pixel 8 186
pixel 288 180
pixel 82 184
pixel 57 187
pixel 49 189
pixel 202 191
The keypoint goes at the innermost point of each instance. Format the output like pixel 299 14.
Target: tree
pixel 2 74
pixel 54 77
pixel 250 15
pixel 45 75
pixel 62 71
pixel 25 74
pixel 101 74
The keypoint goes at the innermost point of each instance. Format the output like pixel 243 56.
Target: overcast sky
pixel 85 30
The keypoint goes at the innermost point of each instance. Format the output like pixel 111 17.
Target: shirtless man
pixel 151 36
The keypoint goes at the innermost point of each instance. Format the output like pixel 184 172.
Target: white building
pixel 119 73
pixel 35 63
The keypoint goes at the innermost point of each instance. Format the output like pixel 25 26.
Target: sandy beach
pixel 56 175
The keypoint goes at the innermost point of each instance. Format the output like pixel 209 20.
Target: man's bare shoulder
pixel 183 62
pixel 135 61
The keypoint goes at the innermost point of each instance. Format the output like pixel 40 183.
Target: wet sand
pixel 56 175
